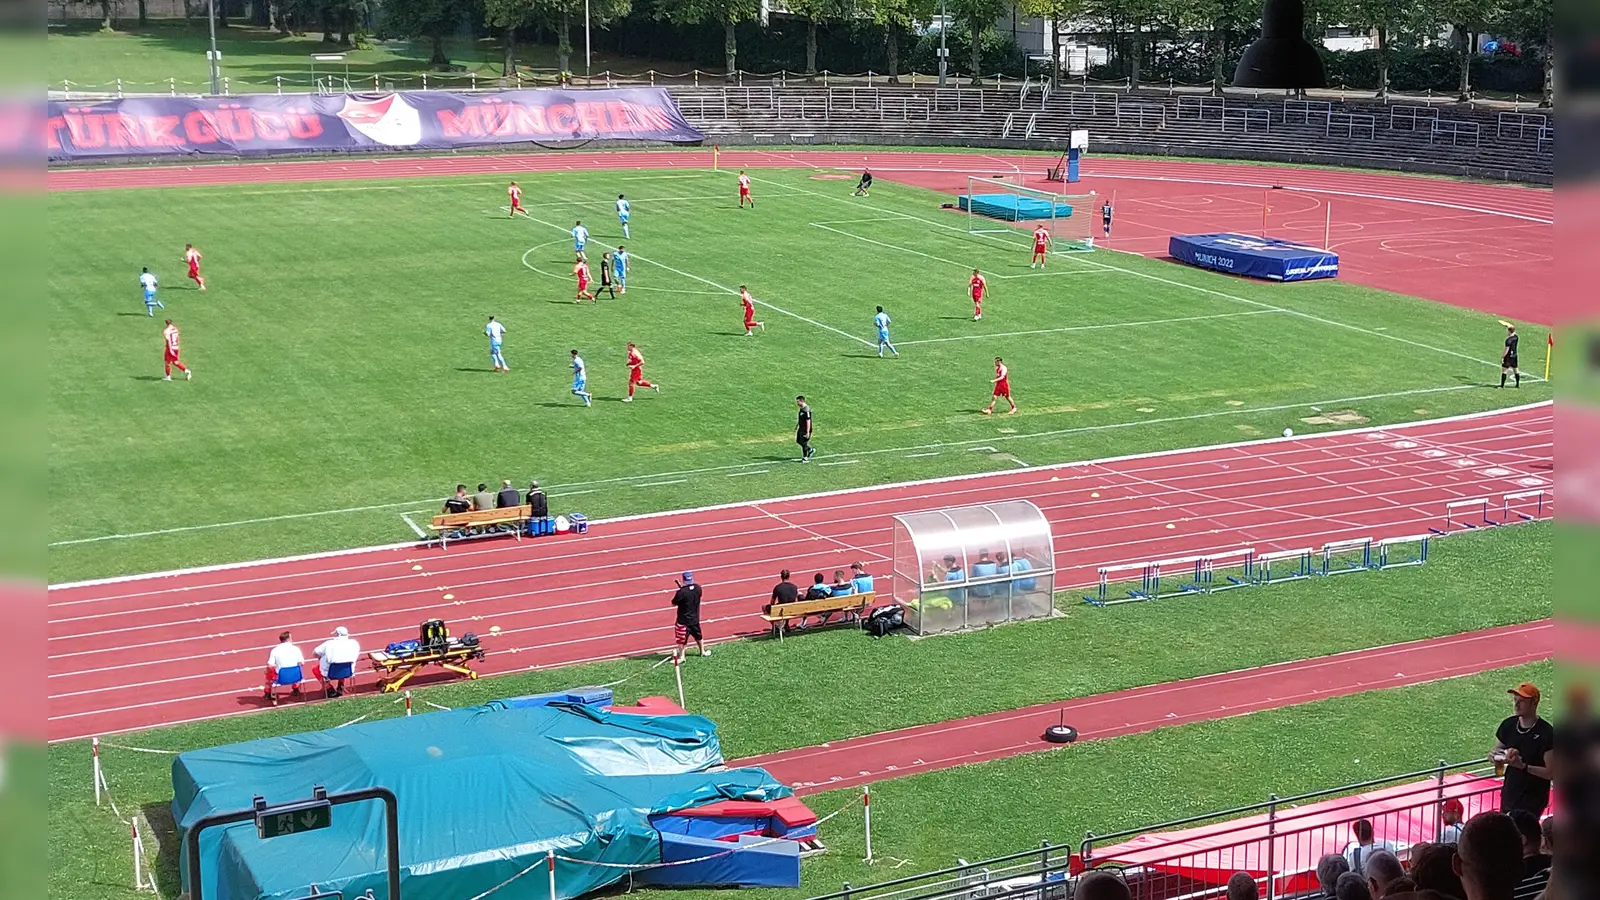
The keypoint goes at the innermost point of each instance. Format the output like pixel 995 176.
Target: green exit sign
pixel 293 818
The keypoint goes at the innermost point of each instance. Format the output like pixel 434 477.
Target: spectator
pixel 539 509
pixel 687 601
pixel 285 667
pixel 1382 869
pixel 784 591
pixel 460 503
pixel 1002 563
pixel 1351 886
pixel 1020 564
pixel 1489 857
pixel 985 567
pixel 1520 747
pixel 940 570
pixel 336 661
pixel 1534 859
pixel 1433 869
pixel 1101 885
pixel 482 500
pixel 1364 845
pixel 1547 836
pixel 1242 886
pixel 859 579
pixel 840 587
pixel 1450 812
pixel 508 498
pixel 1329 868
pixel 819 589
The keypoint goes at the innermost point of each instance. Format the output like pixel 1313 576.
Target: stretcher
pixel 399 662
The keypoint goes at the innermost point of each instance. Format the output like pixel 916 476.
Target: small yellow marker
pixel 1170 525
pixel 416 568
pixel 449 596
pixel 494 629
pixel 1095 494
pixel 1055 478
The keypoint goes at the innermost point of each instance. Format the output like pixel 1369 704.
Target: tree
pixel 1137 15
pixel 897 17
pixel 1531 23
pixel 1468 18
pixel 815 12
pixel 508 16
pixel 727 13
pixel 1226 22
pixel 1055 12
pixel 431 19
pixel 1387 19
pixel 978 16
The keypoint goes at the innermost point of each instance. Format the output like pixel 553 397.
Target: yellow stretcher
pixel 436 648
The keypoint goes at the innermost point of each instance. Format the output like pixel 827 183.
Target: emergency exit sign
pixel 293 818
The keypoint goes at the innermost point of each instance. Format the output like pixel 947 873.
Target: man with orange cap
pixel 1521 745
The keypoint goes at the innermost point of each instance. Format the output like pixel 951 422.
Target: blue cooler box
pixel 579 522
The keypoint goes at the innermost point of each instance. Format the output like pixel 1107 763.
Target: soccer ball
pixel 1288 432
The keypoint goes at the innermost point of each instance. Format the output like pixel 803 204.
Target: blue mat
pixel 1012 207
pixel 1254 257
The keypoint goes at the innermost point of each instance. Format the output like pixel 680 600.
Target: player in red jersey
pixel 192 257
pixel 169 335
pixel 744 190
pixel 516 199
pixel 979 288
pixel 749 305
pixel 580 269
pixel 1041 243
pixel 1002 387
pixel 636 373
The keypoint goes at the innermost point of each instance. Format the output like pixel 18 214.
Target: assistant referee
pixel 1508 359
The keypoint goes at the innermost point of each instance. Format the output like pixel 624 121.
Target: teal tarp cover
pixel 483 794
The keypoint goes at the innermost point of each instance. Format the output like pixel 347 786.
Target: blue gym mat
pixel 1012 207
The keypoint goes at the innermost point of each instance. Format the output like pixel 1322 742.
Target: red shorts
pixel 170 356
pixel 1002 389
pixel 744 192
pixel 682 633
pixel 1040 248
pixel 977 296
pixel 194 271
pixel 516 203
pixel 635 375
pixel 583 284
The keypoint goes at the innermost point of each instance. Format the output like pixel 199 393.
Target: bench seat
pixel 850 607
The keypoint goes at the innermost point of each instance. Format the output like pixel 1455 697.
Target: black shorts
pixel 683 631
pixel 1509 362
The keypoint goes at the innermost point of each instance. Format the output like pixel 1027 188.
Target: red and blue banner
pixel 258 125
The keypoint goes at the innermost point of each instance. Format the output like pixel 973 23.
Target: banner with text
pixel 430 120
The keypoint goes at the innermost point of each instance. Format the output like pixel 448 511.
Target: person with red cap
pixel 1450 814
pixel 687 601
pixel 1521 744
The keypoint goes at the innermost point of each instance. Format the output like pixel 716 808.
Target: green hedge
pixel 1435 68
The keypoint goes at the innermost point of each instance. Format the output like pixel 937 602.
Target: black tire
pixel 1061 734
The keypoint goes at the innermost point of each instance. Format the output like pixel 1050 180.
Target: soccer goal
pixel 990 202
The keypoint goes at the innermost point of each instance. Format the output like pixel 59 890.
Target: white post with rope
pixel 408 704
pixel 94 745
pixel 550 856
pixel 677 671
pixel 138 861
pixel 866 807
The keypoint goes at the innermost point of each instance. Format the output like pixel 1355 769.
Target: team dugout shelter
pixel 970 566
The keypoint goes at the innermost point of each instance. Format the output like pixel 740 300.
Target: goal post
pixel 999 205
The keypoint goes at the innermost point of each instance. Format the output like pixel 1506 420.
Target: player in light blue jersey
pixel 148 282
pixel 580 239
pixel 882 321
pixel 619 268
pixel 496 333
pixel 580 379
pixel 622 215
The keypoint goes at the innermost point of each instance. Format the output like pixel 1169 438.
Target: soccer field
pixel 342 381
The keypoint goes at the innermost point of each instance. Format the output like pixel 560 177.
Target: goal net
pixel 997 205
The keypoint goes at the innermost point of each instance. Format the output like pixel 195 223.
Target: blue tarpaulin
pixel 1012 207
pixel 483 794
pixel 1254 257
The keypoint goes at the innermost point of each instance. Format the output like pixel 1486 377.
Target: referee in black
pixel 1508 359
pixel 802 429
pixel 865 184
pixel 687 601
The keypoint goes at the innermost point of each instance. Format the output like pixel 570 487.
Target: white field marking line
pixel 1071 328
pixel 820 536
pixel 753 472
pixel 909 250
pixel 1059 511
pixel 604 482
pixel 406 517
pixel 727 290
pixel 856 221
pixel 647 287
pixel 840 462
pixel 661 483
pixel 920 455
pixel 1223 294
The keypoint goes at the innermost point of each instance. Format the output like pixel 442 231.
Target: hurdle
pixel 1505 505
pixel 1293 565
pixel 1344 557
pixel 1149 584
pixel 1237 569
pixel 1194 566
pixel 1393 553
pixel 1450 520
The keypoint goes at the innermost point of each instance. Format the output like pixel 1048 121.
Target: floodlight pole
pixel 588 61
pixel 944 23
pixel 211 18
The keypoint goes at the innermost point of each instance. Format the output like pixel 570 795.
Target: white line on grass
pixel 727 290
pixel 414 527
pixel 1168 281
pixel 1070 328
pixel 753 472
pixel 661 483
pixel 637 288
pixel 631 480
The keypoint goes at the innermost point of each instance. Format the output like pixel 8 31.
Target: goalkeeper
pixel 865 184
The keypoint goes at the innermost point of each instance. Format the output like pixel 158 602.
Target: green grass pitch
pixel 342 376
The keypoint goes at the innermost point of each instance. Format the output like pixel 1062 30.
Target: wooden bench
pixel 851 607
pixel 482 523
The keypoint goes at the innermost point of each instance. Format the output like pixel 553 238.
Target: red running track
pixel 926 748
pixel 146 651
pixel 1487 247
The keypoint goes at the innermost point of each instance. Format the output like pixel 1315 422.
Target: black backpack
pixel 885 619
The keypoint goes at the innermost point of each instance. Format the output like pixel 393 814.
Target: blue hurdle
pixel 1333 548
pixel 1388 546
pixel 1292 565
pixel 1450 520
pixel 1149 584
pixel 1506 511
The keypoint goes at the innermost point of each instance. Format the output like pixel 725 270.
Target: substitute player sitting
pixel 1041 244
pixel 749 304
pixel 285 668
pixel 1002 387
pixel 865 184
pixel 636 373
pixel 980 288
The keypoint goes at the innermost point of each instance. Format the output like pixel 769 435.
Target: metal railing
pixel 1351 124
pixel 1201 106
pixel 1247 118
pixel 1411 116
pixel 1458 131
pixel 1306 110
pixel 1520 124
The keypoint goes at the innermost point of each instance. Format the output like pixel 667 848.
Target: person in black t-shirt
pixel 1521 744
pixel 802 429
pixel 1508 359
pixel 687 601
pixel 784 591
pixel 460 503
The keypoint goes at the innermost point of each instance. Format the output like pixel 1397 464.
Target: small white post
pixel 866 805
pixel 1327 230
pixel 677 670
pixel 424 80
pixel 408 704
pixel 279 80
pixel 374 84
pixel 94 744
pixel 550 856
pixel 138 862
pixel 474 80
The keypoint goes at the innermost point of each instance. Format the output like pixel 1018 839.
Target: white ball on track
pixel 1288 432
